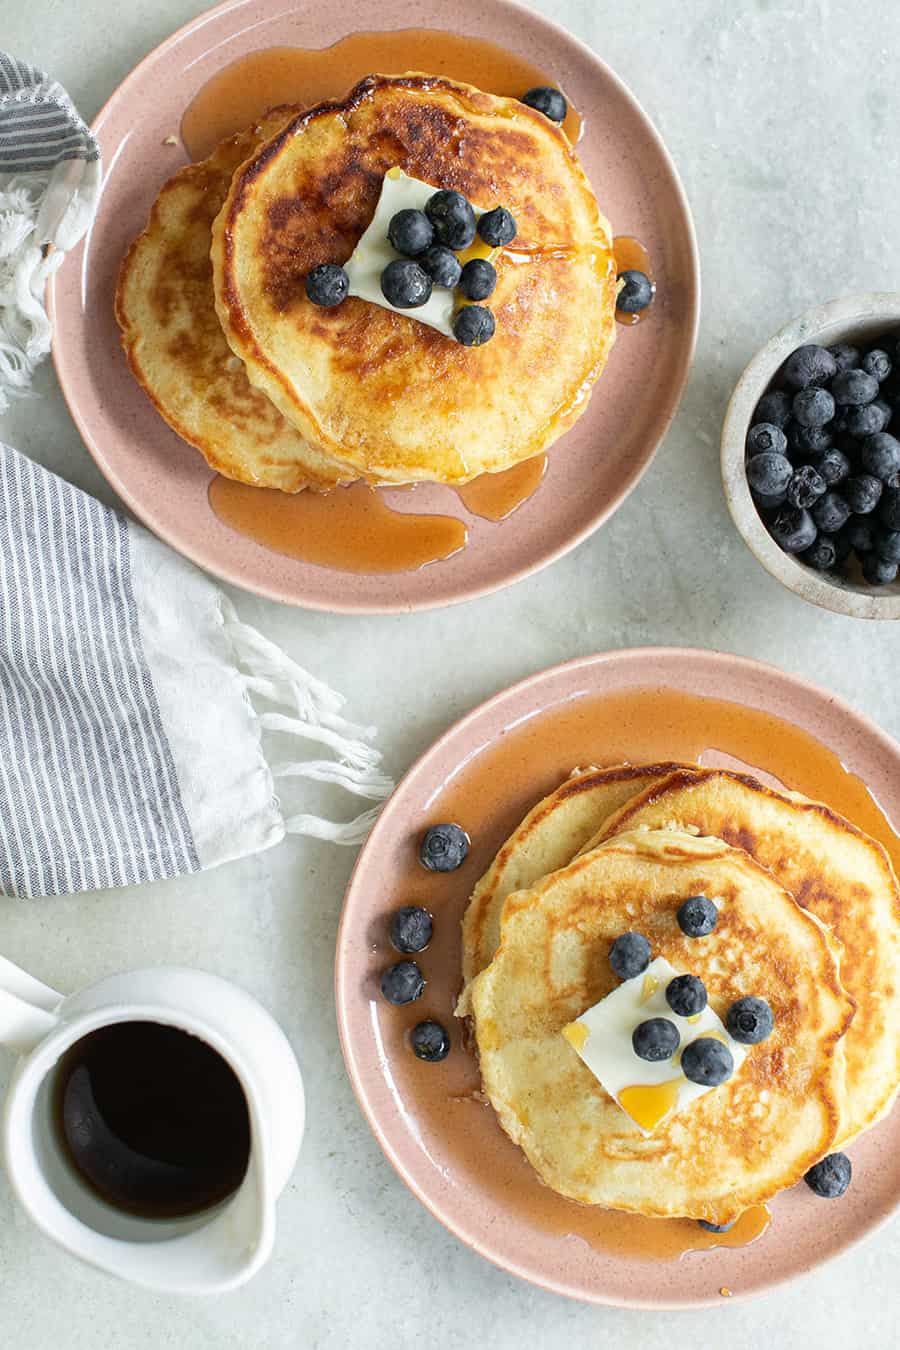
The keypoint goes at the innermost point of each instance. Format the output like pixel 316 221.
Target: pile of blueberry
pixel 823 464
pixel 443 849
pixel 428 242
pixel 706 1060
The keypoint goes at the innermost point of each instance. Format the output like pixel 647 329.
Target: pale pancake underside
pixel 375 389
pixel 839 874
pixel 739 1144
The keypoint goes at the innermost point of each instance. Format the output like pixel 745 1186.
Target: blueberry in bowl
pixel 811 455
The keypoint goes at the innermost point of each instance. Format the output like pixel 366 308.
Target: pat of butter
pixel 374 251
pixel 601 1036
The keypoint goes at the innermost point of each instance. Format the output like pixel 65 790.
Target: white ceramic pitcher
pixel 205 1253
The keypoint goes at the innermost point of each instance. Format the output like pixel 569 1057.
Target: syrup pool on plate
pixel 264 79
pixel 488 796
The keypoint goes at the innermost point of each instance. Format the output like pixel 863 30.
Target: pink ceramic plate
pixel 447 1146
pixel 591 471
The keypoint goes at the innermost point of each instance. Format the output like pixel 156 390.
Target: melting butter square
pixel 601 1036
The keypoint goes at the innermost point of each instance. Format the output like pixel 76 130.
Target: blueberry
pixel 774 407
pixel 452 217
pixel 813 407
pixel 766 502
pixel 810 440
pixel 830 512
pixel 877 363
pixel 750 1020
pixel 833 465
pixel 841 542
pixel 806 487
pixel 430 1042
pixel 327 285
pixel 881 455
pixel 887 544
pixel 444 848
pixel 636 293
pixel 717 1227
pixel 497 227
pixel 403 983
pixel 478 280
pixel 878 571
pixel 697 916
pixel 411 928
pixel 793 530
pixel 854 387
pixel 822 555
pixel 442 265
pixel 766 436
pixel 655 1040
pixel 809 365
pixel 830 1177
pixel 867 420
pixel 405 285
pixel 889 509
pixel 707 1061
pixel 686 995
pixel 548 101
pixel 860 534
pixel 845 356
pixel 473 326
pixel 410 232
pixel 769 473
pixel 862 493
pixel 629 955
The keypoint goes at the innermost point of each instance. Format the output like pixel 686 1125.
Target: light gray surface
pixel 782 119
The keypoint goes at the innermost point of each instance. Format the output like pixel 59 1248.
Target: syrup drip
pixel 489 796
pixel 630 253
pixel 351 529
pixel 242 91
pixel 496 495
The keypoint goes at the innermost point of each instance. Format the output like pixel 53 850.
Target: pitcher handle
pixel 27 1008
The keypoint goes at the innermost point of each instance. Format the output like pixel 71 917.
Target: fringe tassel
pixel 314 715
pixel 35 210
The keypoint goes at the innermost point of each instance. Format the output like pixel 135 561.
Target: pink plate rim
pixel 458 739
pixel 194 548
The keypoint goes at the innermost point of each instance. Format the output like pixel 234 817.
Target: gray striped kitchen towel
pixel 50 176
pixel 130 747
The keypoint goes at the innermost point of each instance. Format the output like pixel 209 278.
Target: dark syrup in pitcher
pixel 152 1119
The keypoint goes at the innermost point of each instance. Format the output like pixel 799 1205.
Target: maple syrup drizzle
pixel 494 496
pixel 351 529
pixel 489 796
pixel 264 79
pixel 630 253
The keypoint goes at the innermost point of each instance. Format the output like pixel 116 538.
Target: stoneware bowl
pixel 852 319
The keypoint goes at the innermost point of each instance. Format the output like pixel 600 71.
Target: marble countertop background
pixel 782 117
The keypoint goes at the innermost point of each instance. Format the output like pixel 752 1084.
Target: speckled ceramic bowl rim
pixel 456 743
pixel 847 313
pixel 194 550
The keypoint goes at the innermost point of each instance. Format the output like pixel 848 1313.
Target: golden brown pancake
pixel 549 837
pixel 174 342
pixel 741 1142
pixel 834 870
pixel 374 389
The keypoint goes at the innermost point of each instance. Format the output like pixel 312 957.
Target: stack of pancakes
pixel 809 919
pixel 277 392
